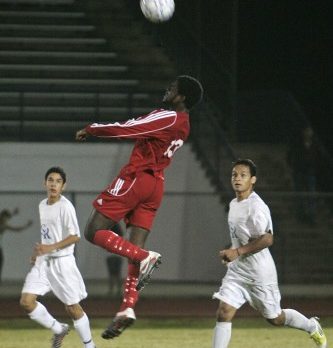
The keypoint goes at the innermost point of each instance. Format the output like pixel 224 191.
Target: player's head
pixel 191 89
pixel 55 183
pixel 248 163
pixel 185 91
pixel 243 176
pixel 57 170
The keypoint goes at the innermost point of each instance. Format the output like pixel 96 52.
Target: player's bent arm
pixel 42 249
pixel 256 245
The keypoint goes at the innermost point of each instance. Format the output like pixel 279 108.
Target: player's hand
pixel 228 255
pixel 33 259
pixel 42 249
pixel 81 135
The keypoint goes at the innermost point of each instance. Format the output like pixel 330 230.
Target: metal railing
pixel 302 247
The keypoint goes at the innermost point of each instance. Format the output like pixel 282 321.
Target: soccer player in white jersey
pixel 251 276
pixel 54 267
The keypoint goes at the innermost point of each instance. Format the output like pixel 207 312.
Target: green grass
pixel 164 333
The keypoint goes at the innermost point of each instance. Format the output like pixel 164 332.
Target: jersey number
pixel 174 146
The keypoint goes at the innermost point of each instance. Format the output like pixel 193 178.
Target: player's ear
pixel 253 180
pixel 63 187
pixel 180 98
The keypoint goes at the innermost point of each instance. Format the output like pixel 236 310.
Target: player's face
pixel 54 186
pixel 241 179
pixel 171 94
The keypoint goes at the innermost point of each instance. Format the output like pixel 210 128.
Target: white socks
pixel 44 318
pixel 297 320
pixel 294 319
pixel 222 335
pixel 82 327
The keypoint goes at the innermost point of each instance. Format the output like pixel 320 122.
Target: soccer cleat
pixel 318 334
pixel 122 321
pixel 147 267
pixel 58 338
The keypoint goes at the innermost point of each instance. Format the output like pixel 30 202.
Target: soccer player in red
pixel 136 193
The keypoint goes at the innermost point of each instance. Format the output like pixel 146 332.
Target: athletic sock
pixel 131 295
pixel 82 327
pixel 44 318
pixel 222 335
pixel 114 243
pixel 297 320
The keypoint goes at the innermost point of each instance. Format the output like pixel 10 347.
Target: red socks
pixel 131 295
pixel 115 244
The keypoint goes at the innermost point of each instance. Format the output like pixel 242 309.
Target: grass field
pixel 164 333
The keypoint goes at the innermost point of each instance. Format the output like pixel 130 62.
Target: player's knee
pixel 278 321
pixel 225 313
pixel 26 304
pixel 89 233
pixel 222 316
pixel 74 311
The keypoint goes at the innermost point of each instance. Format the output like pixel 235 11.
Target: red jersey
pixel 158 135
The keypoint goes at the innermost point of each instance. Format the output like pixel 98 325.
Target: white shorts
pixel 59 275
pixel 266 299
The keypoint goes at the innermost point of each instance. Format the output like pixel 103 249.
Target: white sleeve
pixel 70 222
pixel 261 220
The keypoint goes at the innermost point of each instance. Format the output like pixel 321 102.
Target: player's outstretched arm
pixel 148 126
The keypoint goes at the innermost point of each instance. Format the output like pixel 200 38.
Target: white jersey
pixel 249 219
pixel 58 221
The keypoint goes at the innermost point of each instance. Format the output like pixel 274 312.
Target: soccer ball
pixel 157 11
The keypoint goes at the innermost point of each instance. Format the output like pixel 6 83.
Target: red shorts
pixel 135 200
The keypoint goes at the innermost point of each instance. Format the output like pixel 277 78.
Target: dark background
pixel 288 45
pixel 241 46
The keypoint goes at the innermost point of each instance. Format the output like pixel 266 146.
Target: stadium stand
pixel 58 71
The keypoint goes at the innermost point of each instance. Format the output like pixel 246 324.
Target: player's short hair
pixel 191 88
pixel 246 162
pixel 58 170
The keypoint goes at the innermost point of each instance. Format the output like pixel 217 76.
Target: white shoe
pixel 318 334
pixel 147 267
pixel 127 313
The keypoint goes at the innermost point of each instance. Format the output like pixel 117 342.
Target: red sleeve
pixel 143 127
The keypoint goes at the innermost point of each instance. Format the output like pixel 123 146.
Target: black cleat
pixel 122 321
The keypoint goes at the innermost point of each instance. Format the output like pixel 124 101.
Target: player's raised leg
pixel 317 334
pixel 125 317
pixel 294 319
pixel 98 231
